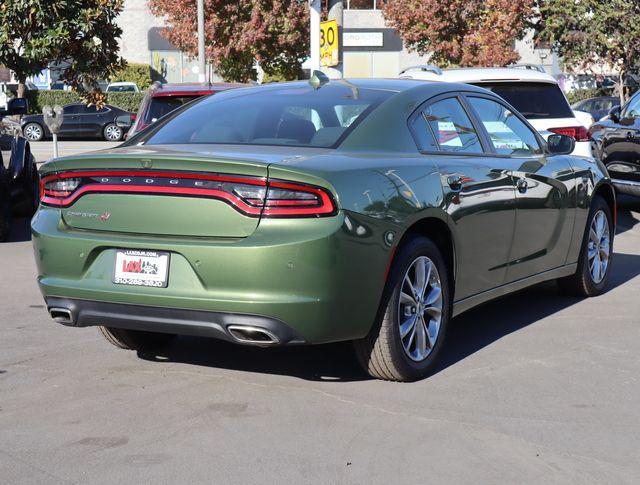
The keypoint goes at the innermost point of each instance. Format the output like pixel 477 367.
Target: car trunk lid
pixel 175 191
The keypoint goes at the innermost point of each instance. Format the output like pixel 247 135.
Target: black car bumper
pixel 232 327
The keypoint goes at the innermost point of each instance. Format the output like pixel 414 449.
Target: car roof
pixel 122 83
pixel 386 84
pixel 191 89
pixel 397 86
pixel 469 75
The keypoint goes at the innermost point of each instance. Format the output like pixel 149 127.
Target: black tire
pixel 30 134
pixel 28 203
pixel 112 127
pixel 582 283
pixel 5 205
pixel 136 339
pixel 5 219
pixel 382 353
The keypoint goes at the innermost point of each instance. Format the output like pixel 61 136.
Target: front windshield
pixel 288 115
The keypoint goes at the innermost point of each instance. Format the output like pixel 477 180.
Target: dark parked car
pixel 162 99
pixel 597 107
pixel 616 140
pixel 19 183
pixel 80 120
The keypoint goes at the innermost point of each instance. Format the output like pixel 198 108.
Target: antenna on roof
pixel 318 79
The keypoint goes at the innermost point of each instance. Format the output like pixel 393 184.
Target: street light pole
pixel 202 67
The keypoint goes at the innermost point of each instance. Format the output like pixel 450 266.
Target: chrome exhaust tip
pixel 61 315
pixel 247 334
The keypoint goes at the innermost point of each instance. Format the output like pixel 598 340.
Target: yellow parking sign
pixel 329 43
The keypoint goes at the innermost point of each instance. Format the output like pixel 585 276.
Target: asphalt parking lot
pixel 43 150
pixel 534 388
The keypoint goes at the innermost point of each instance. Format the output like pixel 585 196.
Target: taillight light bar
pixel 580 133
pixel 251 196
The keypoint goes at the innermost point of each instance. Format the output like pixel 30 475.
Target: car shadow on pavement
pixel 329 362
pixel 483 325
pixel 625 208
pixel 469 333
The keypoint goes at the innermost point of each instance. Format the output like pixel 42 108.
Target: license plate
pixel 141 268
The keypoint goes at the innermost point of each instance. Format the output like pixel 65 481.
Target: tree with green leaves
pixel 79 35
pixel 274 33
pixel 589 33
pixel 461 32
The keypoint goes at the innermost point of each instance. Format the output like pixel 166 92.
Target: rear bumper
pixel 231 327
pixel 322 278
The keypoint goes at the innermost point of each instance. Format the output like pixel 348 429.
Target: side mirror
pixel 16 106
pixel 124 121
pixel 560 144
pixel 614 113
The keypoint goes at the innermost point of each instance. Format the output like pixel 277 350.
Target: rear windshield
pixel 163 105
pixel 121 89
pixel 534 100
pixel 289 115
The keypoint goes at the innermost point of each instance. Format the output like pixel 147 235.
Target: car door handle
pixel 522 185
pixel 455 182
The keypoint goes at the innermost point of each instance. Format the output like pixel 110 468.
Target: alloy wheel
pixel 33 132
pixel 112 133
pixel 420 308
pixel 599 247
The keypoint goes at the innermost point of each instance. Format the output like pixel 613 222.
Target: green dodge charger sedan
pixel 321 211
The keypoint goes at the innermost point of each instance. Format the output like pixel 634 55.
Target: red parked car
pixel 162 99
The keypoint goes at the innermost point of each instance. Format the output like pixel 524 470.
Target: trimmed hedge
pixel 38 99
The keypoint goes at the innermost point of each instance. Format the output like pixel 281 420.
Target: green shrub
pixel 38 99
pixel 580 94
pixel 135 73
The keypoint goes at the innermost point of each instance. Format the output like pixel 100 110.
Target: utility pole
pixel 202 65
pixel 314 14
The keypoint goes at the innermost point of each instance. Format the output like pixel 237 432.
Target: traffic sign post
pixel 329 48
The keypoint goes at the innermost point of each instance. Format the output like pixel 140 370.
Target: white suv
pixel 532 92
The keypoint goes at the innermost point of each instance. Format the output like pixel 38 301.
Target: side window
pixel 633 108
pixel 71 109
pixel 423 135
pixel 452 127
pixel 508 134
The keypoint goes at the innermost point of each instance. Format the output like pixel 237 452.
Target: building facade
pixel 142 43
pixel 369 47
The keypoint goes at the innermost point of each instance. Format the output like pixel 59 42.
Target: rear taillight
pixel 580 133
pixel 134 116
pixel 252 196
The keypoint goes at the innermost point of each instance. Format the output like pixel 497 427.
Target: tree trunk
pixel 621 87
pixel 22 89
